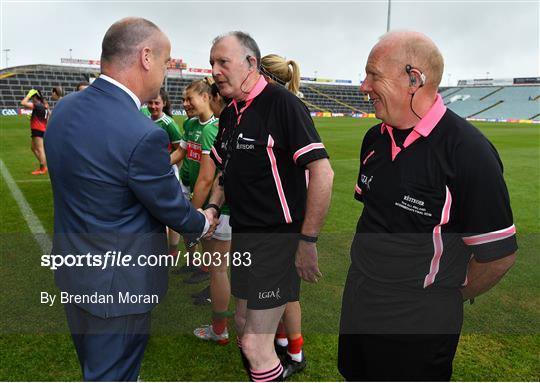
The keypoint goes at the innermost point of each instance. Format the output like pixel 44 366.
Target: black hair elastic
pixel 273 77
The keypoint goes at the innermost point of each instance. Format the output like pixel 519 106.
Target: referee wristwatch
pixel 308 238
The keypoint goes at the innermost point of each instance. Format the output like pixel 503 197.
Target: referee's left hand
pixel 307 262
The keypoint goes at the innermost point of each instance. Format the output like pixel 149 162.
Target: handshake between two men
pixel 211 214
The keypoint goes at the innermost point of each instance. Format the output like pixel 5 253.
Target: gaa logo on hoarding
pixel 9 112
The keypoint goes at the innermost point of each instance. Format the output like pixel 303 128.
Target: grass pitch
pixel 501 337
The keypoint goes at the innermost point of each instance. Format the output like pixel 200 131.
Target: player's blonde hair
pixel 285 72
pixel 200 86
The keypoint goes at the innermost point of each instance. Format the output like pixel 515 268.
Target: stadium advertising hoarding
pixel 507 120
pixel 526 80
pixel 200 70
pixel 9 112
pixel 15 112
pixel 325 80
pixel 80 61
pixel 490 82
pixel 330 114
pixel 174 64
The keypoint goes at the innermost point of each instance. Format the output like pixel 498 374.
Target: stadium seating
pixel 469 108
pixel 495 102
pixel 468 93
pixel 490 102
pixel 513 110
pixel 15 83
pixel 518 93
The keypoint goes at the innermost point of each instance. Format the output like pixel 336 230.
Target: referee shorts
pixel 398 358
pixel 269 279
pixel 391 332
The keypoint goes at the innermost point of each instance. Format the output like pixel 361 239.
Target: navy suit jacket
pixel 114 190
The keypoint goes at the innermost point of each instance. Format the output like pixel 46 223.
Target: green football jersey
pixel 145 111
pixel 198 139
pixel 168 125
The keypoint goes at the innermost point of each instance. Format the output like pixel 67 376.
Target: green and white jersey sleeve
pixel 145 111
pixel 186 133
pixel 208 136
pixel 171 128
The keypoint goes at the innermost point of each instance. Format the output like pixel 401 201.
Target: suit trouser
pixel 109 349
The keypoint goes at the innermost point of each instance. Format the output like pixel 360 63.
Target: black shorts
pixel 36 133
pixel 372 307
pixel 271 279
pixel 399 358
pixel 389 332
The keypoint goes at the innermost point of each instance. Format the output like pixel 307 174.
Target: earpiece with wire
pixel 411 71
pixel 248 57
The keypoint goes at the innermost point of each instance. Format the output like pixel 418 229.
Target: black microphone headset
pixel 250 66
pixel 412 81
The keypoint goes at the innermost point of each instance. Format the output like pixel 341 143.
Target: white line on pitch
pixel 28 214
pixel 34 180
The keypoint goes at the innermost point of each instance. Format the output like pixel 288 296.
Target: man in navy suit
pixel 114 190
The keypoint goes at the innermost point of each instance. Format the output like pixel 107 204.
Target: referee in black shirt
pixel 436 228
pixel 277 180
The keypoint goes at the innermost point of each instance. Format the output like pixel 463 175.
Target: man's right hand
pixel 211 216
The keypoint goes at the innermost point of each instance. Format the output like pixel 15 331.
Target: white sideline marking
pixel 34 224
pixel 46 179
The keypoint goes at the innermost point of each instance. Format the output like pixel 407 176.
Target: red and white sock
pixel 281 335
pixel 219 323
pixel 294 349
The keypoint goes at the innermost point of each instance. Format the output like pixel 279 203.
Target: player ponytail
pixel 200 87
pixel 284 72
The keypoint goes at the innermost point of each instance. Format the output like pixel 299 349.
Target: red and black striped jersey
pixel 38 120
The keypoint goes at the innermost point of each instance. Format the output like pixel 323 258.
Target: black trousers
pixel 387 357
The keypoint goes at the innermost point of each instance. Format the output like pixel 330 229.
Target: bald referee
pixel 436 229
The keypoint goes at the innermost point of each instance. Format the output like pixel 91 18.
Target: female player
pixel 38 124
pixel 57 93
pixel 159 110
pixel 198 172
pixel 218 246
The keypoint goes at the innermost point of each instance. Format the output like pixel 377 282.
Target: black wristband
pixel 213 205
pixel 308 238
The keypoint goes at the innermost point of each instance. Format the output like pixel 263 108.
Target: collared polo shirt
pixel 263 147
pixel 431 201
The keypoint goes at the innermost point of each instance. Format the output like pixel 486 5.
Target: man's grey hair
pixel 246 41
pixel 123 39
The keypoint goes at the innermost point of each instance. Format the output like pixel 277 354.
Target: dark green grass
pixel 501 338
